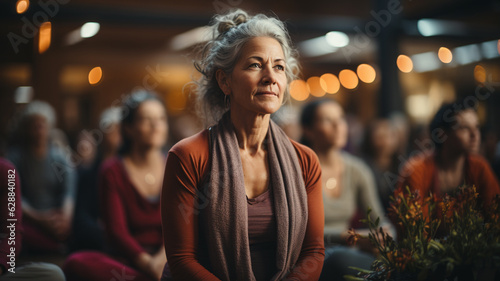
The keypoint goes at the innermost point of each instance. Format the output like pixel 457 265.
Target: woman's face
pixel 150 125
pixel 112 137
pixel 466 137
pixel 384 138
pixel 330 127
pixel 258 81
pixel 38 128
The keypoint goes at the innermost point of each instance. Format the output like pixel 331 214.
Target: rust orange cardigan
pixel 186 165
pixel 421 174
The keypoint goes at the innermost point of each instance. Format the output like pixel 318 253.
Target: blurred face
pixel 330 127
pixel 113 138
pixel 466 137
pixel 150 125
pixel 384 138
pixel 258 81
pixel 38 128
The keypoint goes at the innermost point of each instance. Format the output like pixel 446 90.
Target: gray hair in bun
pixel 230 32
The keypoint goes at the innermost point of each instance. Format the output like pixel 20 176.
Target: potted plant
pixel 454 238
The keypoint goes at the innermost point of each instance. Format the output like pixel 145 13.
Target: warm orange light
pixel 314 86
pixel 44 37
pixel 480 74
pixel 404 63
pixel 22 6
pixel 95 75
pixel 348 79
pixel 330 83
pixel 366 73
pixel 176 101
pixel 298 90
pixel 445 55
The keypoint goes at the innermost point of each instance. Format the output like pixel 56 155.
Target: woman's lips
pixel 266 93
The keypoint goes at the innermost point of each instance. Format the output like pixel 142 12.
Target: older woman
pixel 48 180
pixel 129 189
pixel 348 186
pixel 241 201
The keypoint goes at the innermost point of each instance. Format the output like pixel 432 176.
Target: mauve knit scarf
pixel 224 220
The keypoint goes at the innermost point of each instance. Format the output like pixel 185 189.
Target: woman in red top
pixel 130 187
pixel 454 131
pixel 241 201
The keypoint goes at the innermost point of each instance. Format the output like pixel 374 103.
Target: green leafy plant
pixel 438 239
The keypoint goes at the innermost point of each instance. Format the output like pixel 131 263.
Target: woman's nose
pixel 269 77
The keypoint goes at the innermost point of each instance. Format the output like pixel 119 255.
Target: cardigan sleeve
pixel 186 163
pixel 180 221
pixel 312 255
pixel 114 217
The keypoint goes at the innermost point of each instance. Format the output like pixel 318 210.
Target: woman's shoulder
pixel 5 165
pixel 305 154
pixel 479 167
pixel 476 160
pixel 309 163
pixel 112 164
pixel 355 163
pixel 194 148
pixel 420 165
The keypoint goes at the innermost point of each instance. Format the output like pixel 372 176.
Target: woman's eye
pixel 280 67
pixel 253 65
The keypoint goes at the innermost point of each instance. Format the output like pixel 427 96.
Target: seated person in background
pixel 129 188
pixel 48 181
pixel 287 117
pixel 348 185
pixel 87 232
pixel 9 267
pixel 454 131
pixel 380 151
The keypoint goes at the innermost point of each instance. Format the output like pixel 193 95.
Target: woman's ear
pixel 223 81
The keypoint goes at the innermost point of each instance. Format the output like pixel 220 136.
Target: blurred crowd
pixel 97 201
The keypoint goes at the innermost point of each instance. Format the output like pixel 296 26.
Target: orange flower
pixel 353 237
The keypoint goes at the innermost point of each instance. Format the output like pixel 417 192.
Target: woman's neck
pixel 447 160
pixel 383 161
pixel 330 156
pixel 145 157
pixel 250 130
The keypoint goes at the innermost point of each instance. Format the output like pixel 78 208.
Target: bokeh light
pixel 314 86
pixel 95 75
pixel 22 6
pixel 298 90
pixel 337 39
pixel 480 74
pixel 330 83
pixel 404 63
pixel 89 29
pixel 44 37
pixel 366 73
pixel 445 55
pixel 348 79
